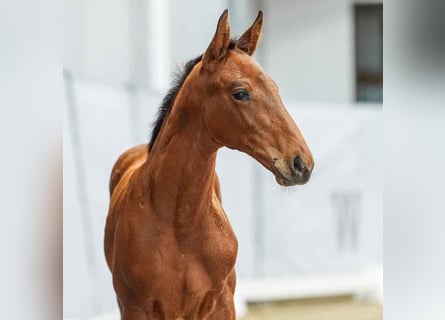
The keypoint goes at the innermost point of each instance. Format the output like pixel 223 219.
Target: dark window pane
pixel 369 52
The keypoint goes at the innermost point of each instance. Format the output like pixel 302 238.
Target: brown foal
pixel 168 242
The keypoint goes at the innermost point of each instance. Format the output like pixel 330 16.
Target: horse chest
pixel 180 263
pixel 209 253
pixel 218 245
pixel 204 253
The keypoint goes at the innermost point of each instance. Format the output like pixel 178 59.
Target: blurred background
pixel 310 252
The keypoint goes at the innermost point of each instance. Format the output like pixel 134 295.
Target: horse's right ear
pixel 249 40
pixel 220 42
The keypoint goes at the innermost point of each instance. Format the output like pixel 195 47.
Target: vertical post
pixel 84 205
pixel 149 59
pixel 158 35
pixel 149 43
pixel 138 43
pixel 242 15
pixel 260 262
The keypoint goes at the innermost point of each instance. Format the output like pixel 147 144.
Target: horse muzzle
pixel 291 172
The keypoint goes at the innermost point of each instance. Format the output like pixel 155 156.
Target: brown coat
pixel 168 242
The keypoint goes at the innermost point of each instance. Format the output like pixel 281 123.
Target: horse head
pixel 242 107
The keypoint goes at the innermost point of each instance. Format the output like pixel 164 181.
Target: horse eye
pixel 241 95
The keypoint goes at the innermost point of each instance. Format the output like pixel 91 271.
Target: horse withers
pixel 168 242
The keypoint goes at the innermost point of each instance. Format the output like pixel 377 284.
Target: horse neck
pixel 181 166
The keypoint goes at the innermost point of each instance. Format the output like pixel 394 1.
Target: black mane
pixel 169 99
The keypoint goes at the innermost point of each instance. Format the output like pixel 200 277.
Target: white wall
pixel 193 24
pixel 307 46
pixel 125 41
pixel 96 39
pixel 309 49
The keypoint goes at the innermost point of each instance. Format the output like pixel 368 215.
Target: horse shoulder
pixel 122 170
pixel 127 160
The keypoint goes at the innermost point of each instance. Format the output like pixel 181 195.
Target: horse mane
pixel 169 99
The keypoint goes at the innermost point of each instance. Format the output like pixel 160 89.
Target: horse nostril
pixel 298 165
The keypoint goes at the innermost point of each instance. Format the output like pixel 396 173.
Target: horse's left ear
pixel 249 40
pixel 220 42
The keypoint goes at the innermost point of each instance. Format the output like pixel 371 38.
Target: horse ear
pixel 249 40
pixel 220 42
